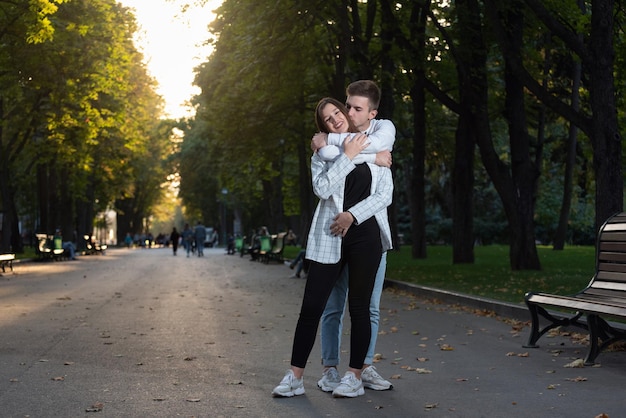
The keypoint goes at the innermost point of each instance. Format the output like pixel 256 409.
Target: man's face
pixel 360 113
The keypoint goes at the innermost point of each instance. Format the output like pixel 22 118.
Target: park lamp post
pixel 224 195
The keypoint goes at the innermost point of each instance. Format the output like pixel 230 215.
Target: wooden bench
pixel 278 245
pixel 6 260
pixel 604 297
pixel 49 248
pixel 92 246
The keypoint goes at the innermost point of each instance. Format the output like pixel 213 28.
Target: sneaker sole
pixel 359 392
pixel 296 392
pixel 372 386
pixel 326 388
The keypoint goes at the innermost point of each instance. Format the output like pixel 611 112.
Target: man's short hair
pixel 365 88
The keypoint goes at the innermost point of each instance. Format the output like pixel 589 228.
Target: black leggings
pixel 361 251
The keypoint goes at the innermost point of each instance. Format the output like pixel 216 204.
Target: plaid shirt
pixel 328 185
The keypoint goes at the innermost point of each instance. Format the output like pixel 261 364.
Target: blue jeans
pixel 332 318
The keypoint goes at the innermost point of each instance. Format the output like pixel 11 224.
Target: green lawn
pixel 563 272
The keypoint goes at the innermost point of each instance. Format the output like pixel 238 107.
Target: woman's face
pixel 334 119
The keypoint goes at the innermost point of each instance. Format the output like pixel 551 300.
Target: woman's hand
pixel 341 224
pixel 318 141
pixel 352 146
pixel 383 159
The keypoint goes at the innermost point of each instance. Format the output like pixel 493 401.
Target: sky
pixel 172 46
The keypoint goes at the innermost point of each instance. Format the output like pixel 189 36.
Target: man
pixel 200 233
pixel 363 99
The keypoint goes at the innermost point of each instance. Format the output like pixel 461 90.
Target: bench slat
pixel 603 296
pixel 615 225
pixel 613 267
pixel 608 276
pixel 612 246
pixel 612 256
pixel 614 236
pixel 578 304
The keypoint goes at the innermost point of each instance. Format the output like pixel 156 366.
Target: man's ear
pixel 373 114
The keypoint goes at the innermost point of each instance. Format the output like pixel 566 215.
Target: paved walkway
pixel 143 333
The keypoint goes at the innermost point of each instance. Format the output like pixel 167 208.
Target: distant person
pixel 188 238
pixel 67 246
pixel 298 264
pixel 174 237
pixel 200 234
pixel 255 250
pixel 230 244
pixel 291 238
pixel 128 240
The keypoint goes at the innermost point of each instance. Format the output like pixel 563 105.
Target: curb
pixel 504 309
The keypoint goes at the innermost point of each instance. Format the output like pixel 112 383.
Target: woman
pixel 346 190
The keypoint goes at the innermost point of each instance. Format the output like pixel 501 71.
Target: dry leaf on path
pixel 578 363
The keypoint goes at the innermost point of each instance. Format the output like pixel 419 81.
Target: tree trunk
pixel 469 56
pixel 570 161
pixel 606 139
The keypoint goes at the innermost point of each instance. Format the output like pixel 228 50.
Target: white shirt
pixel 328 185
pixel 381 134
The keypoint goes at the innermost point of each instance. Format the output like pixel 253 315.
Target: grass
pixel 563 272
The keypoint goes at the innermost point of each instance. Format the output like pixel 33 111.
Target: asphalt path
pixel 138 333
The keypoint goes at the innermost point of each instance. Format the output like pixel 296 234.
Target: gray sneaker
pixel 350 387
pixel 330 380
pixel 289 386
pixel 372 380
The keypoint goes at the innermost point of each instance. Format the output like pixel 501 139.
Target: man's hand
pixel 318 141
pixel 341 224
pixel 383 159
pixel 352 146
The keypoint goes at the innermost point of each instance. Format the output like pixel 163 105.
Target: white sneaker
pixel 330 380
pixel 372 380
pixel 350 387
pixel 289 386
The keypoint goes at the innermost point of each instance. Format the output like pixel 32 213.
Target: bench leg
pixel 601 336
pixel 536 332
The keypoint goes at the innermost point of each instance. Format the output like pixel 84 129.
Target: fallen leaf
pixel 577 379
pixel 578 363
pixel 58 378
pixel 423 371
pixel 446 347
pixel 96 407
pixel 193 400
pixel 431 405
